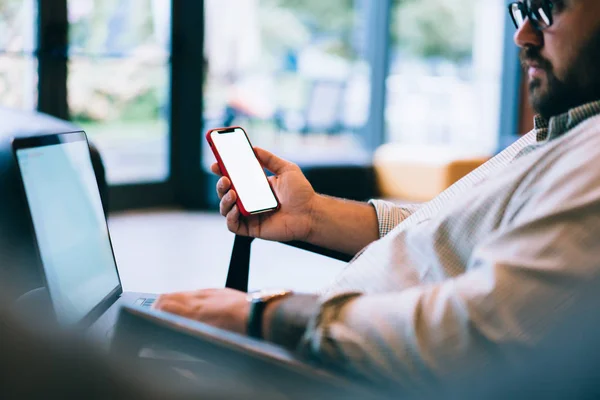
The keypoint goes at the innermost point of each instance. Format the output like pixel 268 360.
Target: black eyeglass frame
pixel 526 12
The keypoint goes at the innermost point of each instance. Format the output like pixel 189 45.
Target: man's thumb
pixel 271 162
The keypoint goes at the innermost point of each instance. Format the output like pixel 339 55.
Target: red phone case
pixel 239 203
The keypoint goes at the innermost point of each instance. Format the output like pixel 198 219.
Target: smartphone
pixel 237 160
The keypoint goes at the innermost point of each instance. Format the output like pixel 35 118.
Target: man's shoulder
pixel 573 161
pixel 589 126
pixel 578 146
pixel 583 141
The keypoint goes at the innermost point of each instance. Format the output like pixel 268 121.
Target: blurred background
pixel 318 82
pixel 372 98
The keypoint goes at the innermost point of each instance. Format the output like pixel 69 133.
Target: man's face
pixel 563 61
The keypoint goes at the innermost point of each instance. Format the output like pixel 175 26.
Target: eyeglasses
pixel 539 13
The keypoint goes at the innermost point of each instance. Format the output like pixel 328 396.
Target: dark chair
pixel 18 256
pixel 239 264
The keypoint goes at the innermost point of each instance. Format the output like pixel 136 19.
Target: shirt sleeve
pixel 523 282
pixel 389 215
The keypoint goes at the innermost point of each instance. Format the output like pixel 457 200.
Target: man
pixel 483 272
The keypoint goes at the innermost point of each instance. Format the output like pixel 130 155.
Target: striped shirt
pixel 488 267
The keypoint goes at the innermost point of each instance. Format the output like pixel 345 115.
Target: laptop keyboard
pixel 144 302
pixel 148 302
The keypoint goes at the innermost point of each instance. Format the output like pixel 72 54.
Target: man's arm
pixel 349 226
pixel 522 284
pixel 345 226
pixel 342 225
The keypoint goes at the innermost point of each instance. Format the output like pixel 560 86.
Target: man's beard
pixel 581 84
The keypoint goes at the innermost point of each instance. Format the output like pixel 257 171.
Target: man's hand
pixel 223 308
pixel 294 219
pixel 304 215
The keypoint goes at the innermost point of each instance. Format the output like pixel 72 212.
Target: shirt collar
pixel 547 130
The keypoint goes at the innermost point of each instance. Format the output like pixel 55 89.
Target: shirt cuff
pixel 389 215
pixel 306 324
pixel 317 334
pixel 291 318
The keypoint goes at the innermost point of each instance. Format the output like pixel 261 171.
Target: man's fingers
pixel 162 299
pixel 173 307
pixel 227 202
pixel 233 219
pixel 175 296
pixel 215 169
pixel 223 186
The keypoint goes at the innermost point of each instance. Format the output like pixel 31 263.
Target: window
pixel 445 73
pixel 308 79
pixel 18 66
pixel 291 72
pixel 118 83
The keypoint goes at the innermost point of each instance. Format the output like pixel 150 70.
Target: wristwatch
pixel 258 302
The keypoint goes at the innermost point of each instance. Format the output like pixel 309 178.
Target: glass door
pixel 18 63
pixel 118 83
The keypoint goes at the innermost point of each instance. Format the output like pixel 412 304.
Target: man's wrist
pixel 318 204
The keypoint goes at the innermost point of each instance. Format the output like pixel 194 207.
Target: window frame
pixel 378 56
pixel 512 76
pixel 183 186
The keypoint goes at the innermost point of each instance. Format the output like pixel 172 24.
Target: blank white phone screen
pixel 244 170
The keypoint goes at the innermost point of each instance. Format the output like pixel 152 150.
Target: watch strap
pixel 258 302
pixel 255 319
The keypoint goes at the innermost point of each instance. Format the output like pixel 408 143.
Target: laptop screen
pixel 69 225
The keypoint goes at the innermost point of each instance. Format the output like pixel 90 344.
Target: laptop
pixel 71 233
pixel 202 353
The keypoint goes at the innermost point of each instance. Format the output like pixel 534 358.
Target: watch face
pixel 267 294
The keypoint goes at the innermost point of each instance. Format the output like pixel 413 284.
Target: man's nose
pixel 527 35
